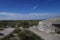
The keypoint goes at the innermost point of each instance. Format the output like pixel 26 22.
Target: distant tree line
pixel 19 23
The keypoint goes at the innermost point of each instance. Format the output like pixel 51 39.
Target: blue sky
pixel 29 9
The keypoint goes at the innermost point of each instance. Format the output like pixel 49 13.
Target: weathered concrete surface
pixel 6 32
pixel 44 35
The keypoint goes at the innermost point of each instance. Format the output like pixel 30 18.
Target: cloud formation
pixel 35 7
pixel 29 16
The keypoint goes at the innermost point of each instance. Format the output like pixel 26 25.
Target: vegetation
pixel 13 23
pixel 23 35
pixel 57 28
pixel 28 35
pixel 6 38
pixel 57 31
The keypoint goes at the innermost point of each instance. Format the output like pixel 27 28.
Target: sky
pixel 29 9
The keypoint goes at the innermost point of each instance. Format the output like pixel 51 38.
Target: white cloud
pixel 34 7
pixel 30 16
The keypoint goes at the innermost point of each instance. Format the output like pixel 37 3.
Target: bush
pixel 28 35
